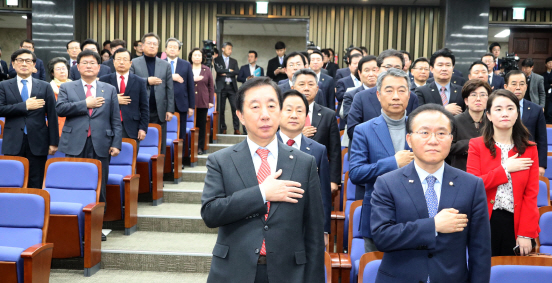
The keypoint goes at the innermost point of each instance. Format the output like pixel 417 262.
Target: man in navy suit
pixel 368 73
pixel 380 144
pixel 494 48
pixel 38 71
pixel 93 46
pixel 114 46
pixel 294 62
pixel 325 83
pixel 295 109
pixel 344 72
pixel 478 71
pixel 247 71
pixel 343 84
pixel 532 115
pixel 183 83
pixel 132 96
pixel 428 217
pixel 496 81
pixel 366 105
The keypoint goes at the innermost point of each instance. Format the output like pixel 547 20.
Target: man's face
pixel 420 72
pixel 251 58
pixel 325 58
pixel 24 65
pixel 91 47
pixel 390 62
pixel 74 50
pixel 114 48
pixel 151 46
pixel 261 114
pixel 369 73
pixel 88 67
pixel 227 51
pixel 527 70
pixel 28 46
pixel 488 60
pixel 434 148
pixel 293 115
pixel 122 62
pixel 138 48
pixel 442 68
pixel 316 62
pixel 479 72
pixel 280 52
pixel 172 49
pixel 354 64
pixel 107 46
pixel 518 85
pixel 293 64
pixel 306 84
pixel 548 64
pixel 394 95
pixel 496 51
pixel 407 62
pixel 477 100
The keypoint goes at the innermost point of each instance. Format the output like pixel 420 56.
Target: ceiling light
pixel 519 13
pixel 504 33
pixel 12 2
pixel 262 7
pixel 24 17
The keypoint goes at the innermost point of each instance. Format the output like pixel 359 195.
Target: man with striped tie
pixel 264 198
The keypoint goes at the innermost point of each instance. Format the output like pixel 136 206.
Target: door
pixel 531 43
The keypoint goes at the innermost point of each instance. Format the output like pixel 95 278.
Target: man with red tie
pixel 73 49
pixel 264 198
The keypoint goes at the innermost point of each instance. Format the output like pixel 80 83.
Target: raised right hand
pixel 514 164
pixel 281 190
pixel 449 221
pixel 33 103
pixel 404 157
pixel 94 102
pixel 453 108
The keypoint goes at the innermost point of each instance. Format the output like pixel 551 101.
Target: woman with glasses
pixel 59 71
pixel 205 92
pixel 508 164
pixel 468 124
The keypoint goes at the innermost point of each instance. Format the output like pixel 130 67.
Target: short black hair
pixel 351 50
pixel 407 53
pixel 26 41
pixel 305 55
pixel 363 49
pixel 488 54
pixel 478 62
pixel 326 52
pixel 256 82
pixel 293 92
pixel 151 34
pixel 421 59
pixel 513 73
pixel 254 52
pixel 53 63
pixel 280 45
pixel 228 43
pixel 105 51
pixel 429 107
pixel 203 57
pixel 364 59
pixel 331 50
pixel 389 53
pixel 91 41
pixel 215 50
pixel 106 42
pixel 445 52
pixel 304 71
pixel 356 55
pixel 493 45
pixel 86 53
pixel 122 50
pixel 22 51
pixel 71 42
pixel 545 61
pixel 136 43
pixel 528 62
pixel 117 42
pixel 294 54
pixel 316 51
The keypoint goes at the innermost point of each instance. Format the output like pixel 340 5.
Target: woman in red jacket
pixel 508 164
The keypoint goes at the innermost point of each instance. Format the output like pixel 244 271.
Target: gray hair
pixel 175 40
pixel 395 73
pixel 302 72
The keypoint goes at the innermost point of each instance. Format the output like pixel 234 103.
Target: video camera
pixel 208 49
pixel 510 62
pixel 312 46
pixel 346 54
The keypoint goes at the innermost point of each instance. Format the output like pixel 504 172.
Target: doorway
pixel 13 28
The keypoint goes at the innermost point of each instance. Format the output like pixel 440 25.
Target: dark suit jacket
pixel 40 74
pixel 372 155
pixel 342 73
pixel 135 114
pixel 463 131
pixel 547 81
pixel 4 73
pixel 12 107
pixel 273 64
pixel 534 121
pixel 340 89
pixel 75 75
pixel 184 93
pixel 366 106
pixel 284 86
pixel 348 100
pixel 497 83
pixel 327 133
pixel 220 68
pixel 205 88
pixel 457 80
pixel 327 85
pixel 293 232
pixel 331 67
pixel 105 121
pixel 402 229
pixel 319 152
pixel 110 64
pixel 429 93
pixel 244 73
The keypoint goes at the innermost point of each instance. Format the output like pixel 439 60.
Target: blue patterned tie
pixel 431 196
pixel 24 96
pixel 172 67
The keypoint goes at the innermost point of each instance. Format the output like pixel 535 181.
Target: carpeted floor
pixel 125 276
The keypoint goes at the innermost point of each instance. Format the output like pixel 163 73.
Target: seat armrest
pixel 339 215
pixel 345 261
pixel 37 260
pixel 36 250
pixel 129 178
pixel 93 222
pixel 336 262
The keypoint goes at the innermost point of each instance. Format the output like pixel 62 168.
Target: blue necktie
pixel 431 196
pixel 172 67
pixel 24 96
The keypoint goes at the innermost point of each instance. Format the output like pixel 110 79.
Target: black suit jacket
pixel 462 133
pixel 40 74
pixel 184 93
pixel 533 119
pixel 327 134
pixel 455 79
pixel 110 64
pixel 429 93
pixel 74 73
pixel 327 85
pixel 342 73
pixel 40 135
pixel 244 72
pixel 135 114
pixel 4 72
pixel 340 88
pixel 293 232
pixel 331 68
pixel 273 64
pixel 220 68
pixel 284 86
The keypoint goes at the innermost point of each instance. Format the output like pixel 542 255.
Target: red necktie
pixel 264 171
pixel 308 122
pixel 74 62
pixel 88 94
pixel 122 89
pixel 290 142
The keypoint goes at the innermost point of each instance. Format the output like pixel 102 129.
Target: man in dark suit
pixel 535 84
pixel 496 81
pixel 248 71
pixel 428 217
pixel 264 198
pixel 494 48
pixel 93 123
pixel 3 68
pixel 419 73
pixel 380 144
pixel 442 91
pixel 183 82
pixel 532 115
pixel 73 50
pixel 93 46
pixel 547 76
pixel 275 69
pixel 115 44
pixel 344 72
pixel 478 71
pixel 351 81
pixel 159 82
pixel 25 101
pixel 326 84
pixel 329 65
pixel 227 86
pixel 321 124
pixel 132 97
pixel 294 62
pixel 294 113
pixel 368 73
pixel 38 71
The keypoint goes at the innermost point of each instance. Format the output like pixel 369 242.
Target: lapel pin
pixel 411 181
pixel 454 91
pixel 528 108
pixel 308 148
pixel 322 78
pixel 291 157
pixel 102 90
pixel 492 201
pixel 432 90
pixel 451 184
pixel 454 82
pixel 319 114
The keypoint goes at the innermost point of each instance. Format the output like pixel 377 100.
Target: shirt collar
pixel 447 86
pixel 29 79
pixel 224 57
pixel 85 83
pixel 297 139
pixel 311 108
pixel 366 87
pixel 423 174
pixel 272 147
pixel 125 75
pixel 521 103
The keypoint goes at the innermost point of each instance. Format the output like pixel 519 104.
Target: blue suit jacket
pixel 75 75
pixel 340 88
pixel 327 85
pixel 319 99
pixel 534 121
pixel 342 73
pixel 372 155
pixel 366 106
pixel 402 229
pixel 319 152
pixel 184 93
pixel 40 74
pixel 497 83
pixel 244 73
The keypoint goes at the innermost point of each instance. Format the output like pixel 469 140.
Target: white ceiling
pixel 265 28
pixel 12 21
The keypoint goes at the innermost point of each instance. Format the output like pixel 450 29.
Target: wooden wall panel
pixel 501 15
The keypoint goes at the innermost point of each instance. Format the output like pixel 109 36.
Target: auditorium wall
pixel 9 41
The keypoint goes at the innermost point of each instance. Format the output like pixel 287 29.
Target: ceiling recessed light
pixel 504 33
pixel 24 17
pixel 519 13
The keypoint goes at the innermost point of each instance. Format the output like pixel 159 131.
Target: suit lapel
pixel 435 93
pixel 35 89
pixel 448 189
pixel 241 157
pixel 158 71
pixel 316 115
pixel 382 131
pixel 131 80
pixel 286 162
pixel 99 93
pixel 526 113
pixel 114 82
pixel 15 90
pixel 79 89
pixel 374 102
pixel 305 145
pixel 413 186
pixel 454 93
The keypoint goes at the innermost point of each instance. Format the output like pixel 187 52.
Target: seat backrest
pixel 57 154
pixel 545 224
pixel 22 218
pixel 548 171
pixel 351 190
pixel 520 273
pixel 345 162
pixel 151 144
pixel 14 171
pixel 549 135
pixel 122 163
pixel 370 271
pixel 75 180
pixel 172 125
pixel 356 249
pixel 1 147
pixel 1 128
pixel 542 197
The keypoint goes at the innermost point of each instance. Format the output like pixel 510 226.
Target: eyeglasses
pixel 91 63
pixel 151 43
pixel 21 61
pixel 480 95
pixel 60 69
pixel 441 135
pixel 124 60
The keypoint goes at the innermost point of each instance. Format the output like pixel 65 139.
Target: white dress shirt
pixel 422 174
pixel 311 109
pixel 356 81
pixel 297 140
pixel 92 90
pixel 71 62
pixel 491 77
pixel 29 84
pixel 119 80
pixel 175 62
pixel 252 69
pixel 272 157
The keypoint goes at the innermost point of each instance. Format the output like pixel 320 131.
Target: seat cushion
pixel 20 237
pixel 11 254
pixel 68 208
pixel 13 174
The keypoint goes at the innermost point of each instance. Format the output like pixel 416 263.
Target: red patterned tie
pixel 444 96
pixel 264 171
pixel 122 90
pixel 308 121
pixel 88 94
pixel 290 142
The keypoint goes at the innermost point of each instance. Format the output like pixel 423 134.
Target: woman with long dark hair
pixel 508 164
pixel 205 92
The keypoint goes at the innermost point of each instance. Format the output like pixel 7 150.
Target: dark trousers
pixel 154 118
pixel 503 239
pixel 201 122
pixel 262 274
pixel 36 165
pixel 89 152
pixel 126 136
pixel 228 93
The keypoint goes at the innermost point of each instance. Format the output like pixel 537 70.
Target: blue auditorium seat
pixel 191 140
pixel 350 198
pixel 175 146
pixel 545 236
pixel 520 273
pixel 370 271
pixel 57 154
pixel 356 249
pixel 14 171
pixel 1 147
pixel 149 164
pixel 543 198
pixel 345 165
